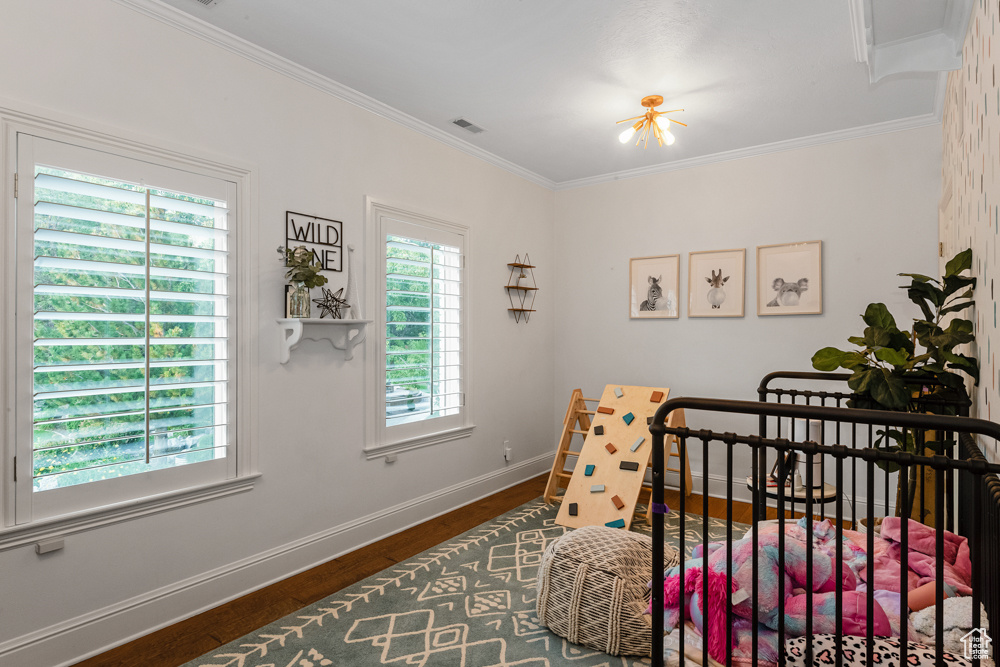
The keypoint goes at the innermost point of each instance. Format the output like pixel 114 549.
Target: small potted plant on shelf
pixel 303 274
pixel 890 372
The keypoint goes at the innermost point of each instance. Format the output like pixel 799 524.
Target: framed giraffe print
pixel 654 287
pixel 716 283
pixel 790 279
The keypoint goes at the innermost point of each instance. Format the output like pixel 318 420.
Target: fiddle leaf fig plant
pixel 890 362
pixel 892 367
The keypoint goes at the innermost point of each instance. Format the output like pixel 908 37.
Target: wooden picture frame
pixel 790 279
pixel 655 279
pixel 716 283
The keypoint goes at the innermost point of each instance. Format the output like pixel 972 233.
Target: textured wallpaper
pixel 970 202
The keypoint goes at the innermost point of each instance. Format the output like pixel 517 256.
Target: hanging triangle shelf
pixel 520 285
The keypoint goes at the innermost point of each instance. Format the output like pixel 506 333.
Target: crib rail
pixel 923 401
pixel 981 500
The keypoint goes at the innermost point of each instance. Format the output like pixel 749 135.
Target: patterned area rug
pixel 468 602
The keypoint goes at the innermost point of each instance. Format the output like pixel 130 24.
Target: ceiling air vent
pixel 462 123
pixel 207 2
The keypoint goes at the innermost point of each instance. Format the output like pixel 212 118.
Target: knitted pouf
pixel 593 589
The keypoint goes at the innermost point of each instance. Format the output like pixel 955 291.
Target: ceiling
pixel 547 79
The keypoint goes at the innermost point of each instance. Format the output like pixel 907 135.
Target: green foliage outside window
pixel 107 429
pixel 408 319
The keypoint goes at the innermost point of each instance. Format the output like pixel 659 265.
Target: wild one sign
pixel 323 237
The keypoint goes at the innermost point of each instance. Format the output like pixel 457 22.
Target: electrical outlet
pixel 506 450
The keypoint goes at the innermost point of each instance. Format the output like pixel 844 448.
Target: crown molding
pixel 940 95
pixel 861 33
pixel 198 28
pixel 755 151
pixel 937 50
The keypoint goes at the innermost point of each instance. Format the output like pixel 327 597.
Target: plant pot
pixel 298 301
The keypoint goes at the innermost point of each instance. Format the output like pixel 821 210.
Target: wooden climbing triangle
pixel 623 483
pixel 575 423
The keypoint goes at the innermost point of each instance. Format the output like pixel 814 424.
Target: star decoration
pixel 331 304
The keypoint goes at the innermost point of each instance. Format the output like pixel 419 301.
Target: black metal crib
pixel 966 492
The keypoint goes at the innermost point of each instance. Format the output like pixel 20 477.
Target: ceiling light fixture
pixel 650 122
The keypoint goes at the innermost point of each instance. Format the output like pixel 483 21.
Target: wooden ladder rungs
pixel 587 412
pixel 576 430
pixel 562 475
pixel 570 452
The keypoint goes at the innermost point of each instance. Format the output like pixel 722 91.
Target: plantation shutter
pixel 423 354
pixel 130 299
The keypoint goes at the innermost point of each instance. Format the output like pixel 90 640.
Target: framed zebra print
pixel 654 287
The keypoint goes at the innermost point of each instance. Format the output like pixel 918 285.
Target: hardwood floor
pixel 200 634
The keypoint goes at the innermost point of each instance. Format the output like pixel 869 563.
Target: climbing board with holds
pixel 614 457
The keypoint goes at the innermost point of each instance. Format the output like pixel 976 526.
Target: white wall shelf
pixel 338 332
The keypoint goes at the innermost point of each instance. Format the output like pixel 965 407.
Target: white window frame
pixel 381 440
pixel 15 529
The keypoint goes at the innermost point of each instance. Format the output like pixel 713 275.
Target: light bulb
pixel 664 126
pixel 626 135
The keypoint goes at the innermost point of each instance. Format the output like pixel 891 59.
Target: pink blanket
pixel 921 539
pixel 798 608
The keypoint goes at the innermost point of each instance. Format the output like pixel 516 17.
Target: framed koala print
pixel 790 279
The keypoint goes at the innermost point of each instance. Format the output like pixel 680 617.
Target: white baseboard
pixel 76 639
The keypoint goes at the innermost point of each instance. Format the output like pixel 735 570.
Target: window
pixel 421 376
pixel 125 334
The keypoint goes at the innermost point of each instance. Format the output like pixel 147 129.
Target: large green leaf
pixel 958 263
pixel 891 356
pixel 960 326
pixel 957 307
pixel 956 360
pixel 890 390
pixel 951 380
pixel 919 277
pixel 957 283
pixel 925 292
pixel 861 380
pixel 853 360
pixel 966 364
pixel 958 332
pixel 900 340
pixel 877 336
pixel 877 315
pixel 828 359
pixel 919 298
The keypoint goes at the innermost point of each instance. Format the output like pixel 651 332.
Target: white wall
pixel 102 65
pixel 871 201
